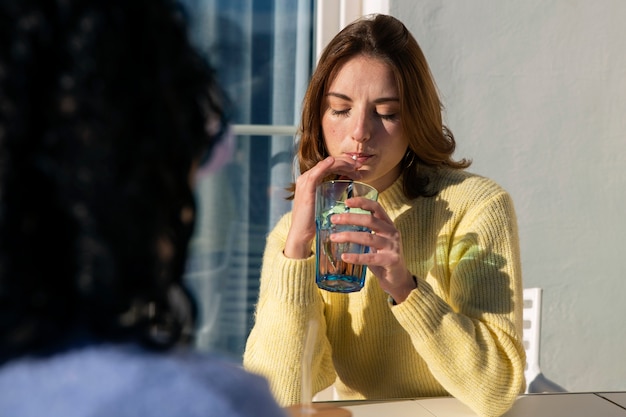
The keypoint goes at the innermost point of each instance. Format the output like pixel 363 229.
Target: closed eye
pixel 345 112
pixel 390 117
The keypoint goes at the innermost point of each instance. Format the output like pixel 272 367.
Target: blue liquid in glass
pixel 332 274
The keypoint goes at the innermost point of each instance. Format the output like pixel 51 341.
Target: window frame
pixel 330 17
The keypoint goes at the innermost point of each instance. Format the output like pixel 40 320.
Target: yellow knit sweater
pixel 458 333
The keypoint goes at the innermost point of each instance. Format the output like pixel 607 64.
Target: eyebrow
pixel 377 101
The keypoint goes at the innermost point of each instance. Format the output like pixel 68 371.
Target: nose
pixel 361 128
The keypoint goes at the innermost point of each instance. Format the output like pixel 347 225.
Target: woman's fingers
pixel 302 229
pixel 377 220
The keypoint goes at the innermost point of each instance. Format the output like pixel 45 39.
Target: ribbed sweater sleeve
pixel 468 331
pixel 288 301
pixel 458 333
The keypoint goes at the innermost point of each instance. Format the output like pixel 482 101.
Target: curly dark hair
pixel 105 107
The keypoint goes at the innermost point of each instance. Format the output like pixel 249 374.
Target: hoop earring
pixel 409 154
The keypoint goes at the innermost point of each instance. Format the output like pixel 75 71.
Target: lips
pixel 361 157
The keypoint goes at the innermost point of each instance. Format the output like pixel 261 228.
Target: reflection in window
pixel 263 55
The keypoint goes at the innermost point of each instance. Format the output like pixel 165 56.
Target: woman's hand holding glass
pixel 385 258
pixel 302 231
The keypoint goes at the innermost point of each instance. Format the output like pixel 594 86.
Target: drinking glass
pixel 331 273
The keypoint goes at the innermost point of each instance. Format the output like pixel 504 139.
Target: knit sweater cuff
pixel 422 311
pixel 295 280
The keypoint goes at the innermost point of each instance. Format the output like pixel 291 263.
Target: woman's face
pixel 361 119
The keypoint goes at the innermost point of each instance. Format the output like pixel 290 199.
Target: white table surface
pixel 537 405
pixel 564 405
pixel 616 397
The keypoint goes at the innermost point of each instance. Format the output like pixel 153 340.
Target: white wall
pixel 535 92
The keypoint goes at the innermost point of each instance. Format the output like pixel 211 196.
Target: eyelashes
pixel 346 113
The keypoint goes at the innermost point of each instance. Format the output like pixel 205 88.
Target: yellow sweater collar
pixel 393 199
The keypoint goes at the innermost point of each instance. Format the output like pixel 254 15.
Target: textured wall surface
pixel 535 93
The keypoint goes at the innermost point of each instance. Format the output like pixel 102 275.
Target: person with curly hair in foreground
pixel 106 113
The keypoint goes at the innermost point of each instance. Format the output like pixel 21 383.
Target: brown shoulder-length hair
pixel 383 37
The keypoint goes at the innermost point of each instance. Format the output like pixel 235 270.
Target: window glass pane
pixel 262 52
